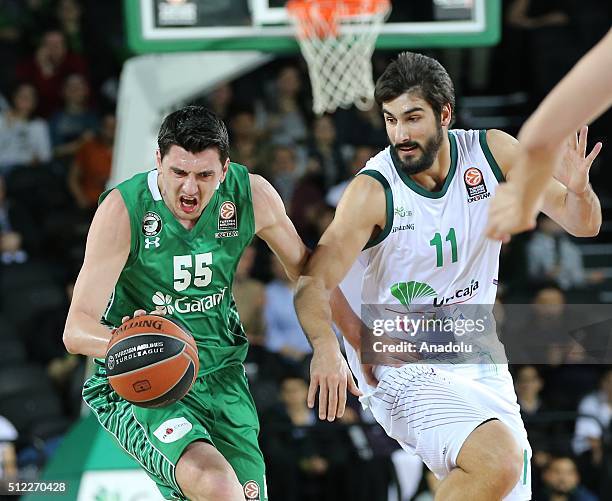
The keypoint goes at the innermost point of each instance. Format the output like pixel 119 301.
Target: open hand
pixel 573 169
pixel 330 374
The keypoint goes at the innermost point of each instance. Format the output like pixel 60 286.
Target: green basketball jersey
pixel 185 274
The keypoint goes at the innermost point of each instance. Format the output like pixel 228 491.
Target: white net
pixel 337 39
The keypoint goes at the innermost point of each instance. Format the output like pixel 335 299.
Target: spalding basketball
pixel 151 361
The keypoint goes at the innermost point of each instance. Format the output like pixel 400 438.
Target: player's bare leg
pixel 205 475
pixel 489 465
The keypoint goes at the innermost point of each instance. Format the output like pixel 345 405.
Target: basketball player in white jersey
pixel 414 218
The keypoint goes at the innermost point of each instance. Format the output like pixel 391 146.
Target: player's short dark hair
pixel 193 128
pixel 412 72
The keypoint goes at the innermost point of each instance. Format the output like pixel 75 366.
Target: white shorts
pixel 431 411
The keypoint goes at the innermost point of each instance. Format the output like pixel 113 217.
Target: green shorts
pixel 218 409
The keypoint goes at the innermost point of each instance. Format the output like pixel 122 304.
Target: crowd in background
pixel 61 64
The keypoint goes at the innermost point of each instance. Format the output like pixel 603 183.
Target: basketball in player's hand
pixel 151 361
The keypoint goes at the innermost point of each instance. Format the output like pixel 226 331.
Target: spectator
pixel 76 122
pixel 324 215
pixel 68 13
pixel 356 126
pixel 290 450
pixel 263 368
pixel 49 68
pixel 307 200
pixel 8 456
pixel 595 411
pixel 284 171
pixel 547 320
pixel 543 337
pixel 536 335
pixel 18 233
pixel 220 100
pixel 92 165
pixel 24 140
pixel 361 155
pixel 546 436
pixel 561 482
pixel 528 384
pixel 326 150
pixel 284 334
pixel 549 47
pixel 246 145
pixel 249 294
pixel 302 453
pixel 553 256
pixel 286 120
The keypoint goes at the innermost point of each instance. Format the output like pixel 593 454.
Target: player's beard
pixel 428 154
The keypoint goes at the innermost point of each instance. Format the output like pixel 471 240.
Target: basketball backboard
pixel 191 25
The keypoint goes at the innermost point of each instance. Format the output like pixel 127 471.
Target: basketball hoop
pixel 337 39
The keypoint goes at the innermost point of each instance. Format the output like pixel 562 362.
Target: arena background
pixel 87 84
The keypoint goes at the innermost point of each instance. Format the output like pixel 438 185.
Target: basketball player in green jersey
pixel 414 219
pixel 169 241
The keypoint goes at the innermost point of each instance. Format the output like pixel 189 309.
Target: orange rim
pixel 327 9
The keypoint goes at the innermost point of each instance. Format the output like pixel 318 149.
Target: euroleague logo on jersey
pixel 473 177
pixel 251 491
pixel 227 210
pixel 227 224
pixel 475 185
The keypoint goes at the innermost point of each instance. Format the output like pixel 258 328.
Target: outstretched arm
pixel 567 198
pixel 108 247
pixel 336 252
pixel 360 212
pixel 274 226
pixel 584 93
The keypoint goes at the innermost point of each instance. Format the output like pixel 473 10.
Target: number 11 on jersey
pixel 437 242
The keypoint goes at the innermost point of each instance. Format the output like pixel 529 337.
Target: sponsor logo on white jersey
pixel 402 212
pixel 407 292
pixel 403 227
pixel 461 295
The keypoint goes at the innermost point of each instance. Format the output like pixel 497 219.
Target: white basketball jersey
pixel 433 254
